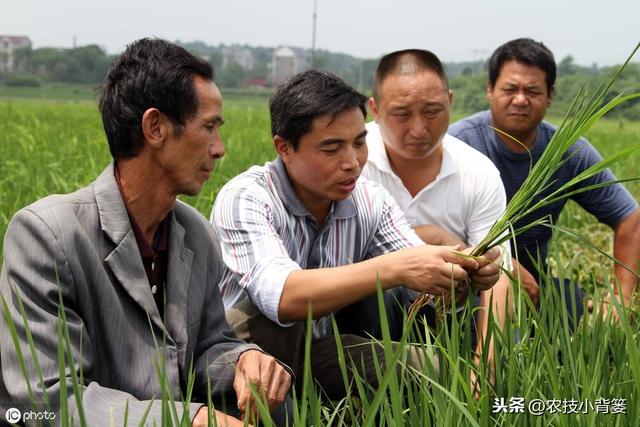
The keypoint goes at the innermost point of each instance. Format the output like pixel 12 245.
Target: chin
pixel 341 196
pixel 191 191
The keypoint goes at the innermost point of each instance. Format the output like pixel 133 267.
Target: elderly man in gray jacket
pixel 132 272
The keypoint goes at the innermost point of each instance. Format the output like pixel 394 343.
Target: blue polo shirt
pixel 610 204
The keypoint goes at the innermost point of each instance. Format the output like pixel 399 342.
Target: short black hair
pixel 526 51
pixel 150 73
pixel 407 61
pixel 306 96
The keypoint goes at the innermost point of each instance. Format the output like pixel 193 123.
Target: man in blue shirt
pixel 521 82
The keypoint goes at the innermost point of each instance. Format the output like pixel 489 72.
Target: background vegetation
pixel 74 73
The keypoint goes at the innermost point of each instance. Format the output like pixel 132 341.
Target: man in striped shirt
pixel 304 233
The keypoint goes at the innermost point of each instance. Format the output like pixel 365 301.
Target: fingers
pixel 241 391
pixel 279 387
pixel 263 373
pixel 247 374
pixel 450 271
pixel 492 255
pixel 449 255
pixel 224 420
pixel 485 277
pixel 267 370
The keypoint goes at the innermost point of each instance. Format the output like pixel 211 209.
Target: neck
pixel 148 200
pixel 416 174
pixel 318 209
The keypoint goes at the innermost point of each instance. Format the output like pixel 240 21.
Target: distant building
pixel 240 55
pixel 8 46
pixel 286 62
pixel 256 83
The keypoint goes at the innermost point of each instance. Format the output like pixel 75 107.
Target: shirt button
pixel 153 265
pixel 154 289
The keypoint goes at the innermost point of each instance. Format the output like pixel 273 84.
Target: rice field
pixel 591 377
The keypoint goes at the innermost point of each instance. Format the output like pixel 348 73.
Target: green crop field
pixel 56 147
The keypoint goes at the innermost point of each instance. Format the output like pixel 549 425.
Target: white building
pixel 287 62
pixel 240 55
pixel 8 46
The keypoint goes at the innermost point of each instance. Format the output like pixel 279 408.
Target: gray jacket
pixel 82 246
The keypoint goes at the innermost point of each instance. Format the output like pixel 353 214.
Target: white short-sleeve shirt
pixel 466 198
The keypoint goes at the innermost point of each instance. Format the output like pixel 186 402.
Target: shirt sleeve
pixel 252 250
pixel 489 203
pixel 393 232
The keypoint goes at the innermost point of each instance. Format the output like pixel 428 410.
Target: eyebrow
pixel 331 141
pixel 217 120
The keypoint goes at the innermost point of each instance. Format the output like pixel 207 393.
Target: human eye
pixel 330 149
pixel 401 115
pixel 534 91
pixel 360 142
pixel 432 112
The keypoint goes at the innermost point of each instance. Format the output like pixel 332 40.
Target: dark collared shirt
pixel 154 256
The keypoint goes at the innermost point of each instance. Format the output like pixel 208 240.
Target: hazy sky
pixel 591 30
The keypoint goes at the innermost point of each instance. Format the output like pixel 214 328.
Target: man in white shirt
pixel 451 193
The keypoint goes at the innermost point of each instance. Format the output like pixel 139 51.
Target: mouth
pixel 418 145
pixel 207 171
pixel 348 185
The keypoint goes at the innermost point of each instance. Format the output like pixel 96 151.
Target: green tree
pixel 232 75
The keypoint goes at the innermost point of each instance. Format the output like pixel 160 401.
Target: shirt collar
pixel 377 153
pixel 340 209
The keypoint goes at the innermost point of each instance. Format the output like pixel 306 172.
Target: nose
pixel 350 160
pixel 216 150
pixel 418 127
pixel 520 98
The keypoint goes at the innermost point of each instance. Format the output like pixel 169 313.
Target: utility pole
pixel 313 34
pixel 478 57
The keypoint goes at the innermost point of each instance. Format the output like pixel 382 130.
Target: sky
pixel 604 32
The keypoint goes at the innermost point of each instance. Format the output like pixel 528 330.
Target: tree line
pixel 88 65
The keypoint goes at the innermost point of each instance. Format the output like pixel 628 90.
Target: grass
pixel 58 147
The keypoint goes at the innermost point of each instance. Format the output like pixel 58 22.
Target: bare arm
pixel 423 268
pixel 434 235
pixel 529 283
pixel 626 248
pixel 500 299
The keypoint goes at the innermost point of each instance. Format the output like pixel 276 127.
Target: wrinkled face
pixel 519 100
pixel 328 160
pixel 413 113
pixel 189 157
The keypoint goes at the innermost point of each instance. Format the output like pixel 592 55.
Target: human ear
pixel 283 148
pixel 552 94
pixel 154 127
pixel 489 91
pixel 373 108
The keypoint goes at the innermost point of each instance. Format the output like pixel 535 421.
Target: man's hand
pixel 607 307
pixel 487 273
pixel 222 420
pixel 430 269
pixel 265 374
pixel 529 282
